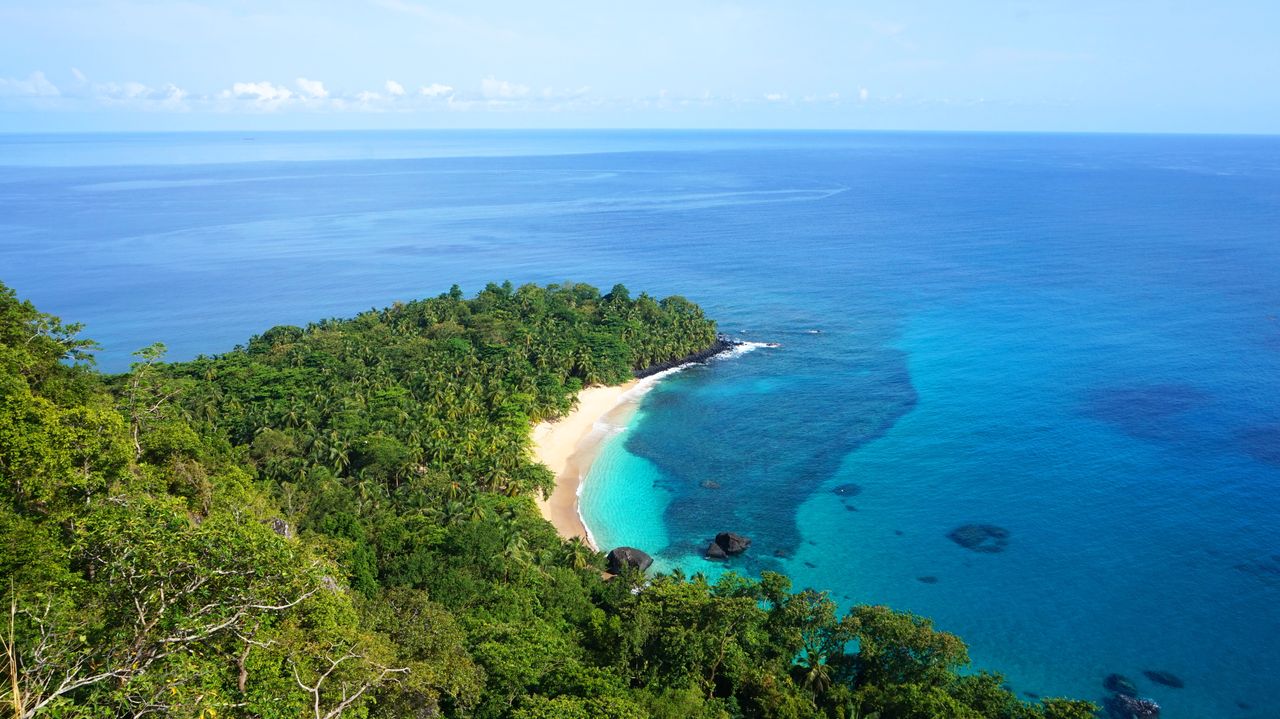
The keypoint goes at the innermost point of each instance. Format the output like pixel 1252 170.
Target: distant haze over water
pixel 1028 385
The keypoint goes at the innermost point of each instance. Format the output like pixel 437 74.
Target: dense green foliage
pixel 338 520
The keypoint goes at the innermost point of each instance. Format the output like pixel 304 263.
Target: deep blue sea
pixel 1075 339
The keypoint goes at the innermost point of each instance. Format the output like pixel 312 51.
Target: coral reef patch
pixel 984 538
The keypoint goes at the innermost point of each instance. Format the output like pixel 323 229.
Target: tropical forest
pixel 339 520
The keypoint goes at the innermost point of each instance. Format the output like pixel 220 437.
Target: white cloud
pixel 264 92
pixel 863 94
pixel 830 97
pixel 435 89
pixel 494 89
pixel 174 97
pixel 313 89
pixel 550 93
pixel 305 95
pixel 36 85
pixel 122 91
pixel 263 96
pixel 136 95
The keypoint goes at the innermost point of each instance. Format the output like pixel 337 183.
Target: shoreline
pixel 569 445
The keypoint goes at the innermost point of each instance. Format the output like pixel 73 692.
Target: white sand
pixel 567 446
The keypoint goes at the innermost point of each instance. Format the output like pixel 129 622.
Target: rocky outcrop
pixel 1121 706
pixel 715 551
pixel 722 344
pixel 623 557
pixel 732 543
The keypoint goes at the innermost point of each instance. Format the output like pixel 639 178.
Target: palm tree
pixel 339 453
pixel 578 554
pixel 454 513
pixel 515 551
pixel 815 674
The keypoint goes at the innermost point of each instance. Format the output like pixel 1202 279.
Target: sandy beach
pixel 567 446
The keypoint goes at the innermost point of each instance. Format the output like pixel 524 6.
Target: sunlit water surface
pixel 1073 338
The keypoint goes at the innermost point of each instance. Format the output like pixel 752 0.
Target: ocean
pixel 1067 347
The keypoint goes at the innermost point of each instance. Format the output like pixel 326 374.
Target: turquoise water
pixel 1074 338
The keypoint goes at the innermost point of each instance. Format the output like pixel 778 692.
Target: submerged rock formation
pixel 1164 678
pixel 985 538
pixel 1145 411
pixel 1120 684
pixel 732 543
pixel 622 557
pixel 1262 443
pixel 1265 568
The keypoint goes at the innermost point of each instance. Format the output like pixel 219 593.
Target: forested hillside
pixel 338 520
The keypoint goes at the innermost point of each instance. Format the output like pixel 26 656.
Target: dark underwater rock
pixel 1120 684
pixel 733 543
pixel 1164 678
pixel 985 538
pixel 1120 706
pixel 850 508
pixel 715 551
pixel 1261 443
pixel 1267 568
pixel 1144 411
pixel 628 557
pixel 848 490
pixel 811 565
pixel 927 579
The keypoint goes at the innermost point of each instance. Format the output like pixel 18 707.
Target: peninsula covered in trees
pixel 338 520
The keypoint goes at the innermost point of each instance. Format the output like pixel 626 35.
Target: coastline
pixel 570 444
pixel 567 446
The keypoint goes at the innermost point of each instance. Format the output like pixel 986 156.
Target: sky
pixel 1015 65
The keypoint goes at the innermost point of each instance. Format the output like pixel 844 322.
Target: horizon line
pixel 771 130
